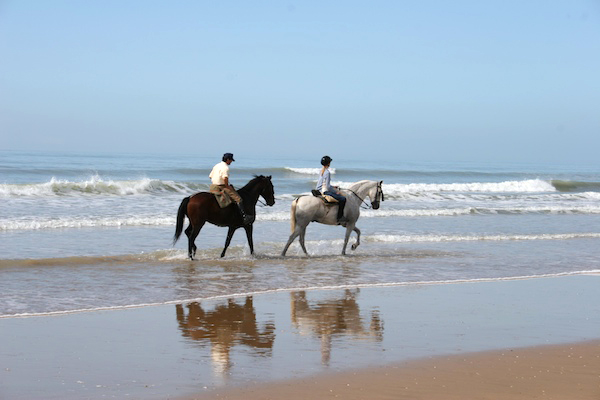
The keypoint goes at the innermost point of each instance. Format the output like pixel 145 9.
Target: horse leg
pixel 192 250
pixel 193 234
pixel 228 240
pixel 302 236
pixel 248 229
pixel 349 229
pixel 299 231
pixel 357 243
pixel 293 236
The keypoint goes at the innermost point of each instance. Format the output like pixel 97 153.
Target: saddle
pixel 222 196
pixel 328 200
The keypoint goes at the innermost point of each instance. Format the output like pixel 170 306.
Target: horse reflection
pixel 226 326
pixel 329 318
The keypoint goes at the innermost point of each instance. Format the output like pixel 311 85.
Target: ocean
pixel 83 232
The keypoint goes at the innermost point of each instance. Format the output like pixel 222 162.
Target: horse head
pixel 268 192
pixel 259 186
pixel 376 195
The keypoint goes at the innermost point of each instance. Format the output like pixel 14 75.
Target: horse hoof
pixel 354 246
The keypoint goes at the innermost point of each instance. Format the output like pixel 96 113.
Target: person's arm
pixel 225 176
pixel 327 182
pixel 332 188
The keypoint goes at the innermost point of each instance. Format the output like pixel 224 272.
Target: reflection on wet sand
pixel 231 324
pixel 329 318
pixel 226 326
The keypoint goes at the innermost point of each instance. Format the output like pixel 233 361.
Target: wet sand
pixel 433 341
pixel 565 372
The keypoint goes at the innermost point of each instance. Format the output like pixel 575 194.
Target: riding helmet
pixel 326 160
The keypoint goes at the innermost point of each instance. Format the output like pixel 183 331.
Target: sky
pixel 431 80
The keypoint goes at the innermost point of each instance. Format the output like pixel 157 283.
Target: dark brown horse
pixel 203 207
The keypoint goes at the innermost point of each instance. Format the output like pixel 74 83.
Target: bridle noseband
pixel 261 194
pixel 375 204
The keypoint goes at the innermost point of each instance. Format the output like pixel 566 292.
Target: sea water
pixel 94 231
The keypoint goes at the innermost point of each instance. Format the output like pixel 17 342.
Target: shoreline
pixel 239 295
pixel 560 372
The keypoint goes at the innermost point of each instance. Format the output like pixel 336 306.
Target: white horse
pixel 306 209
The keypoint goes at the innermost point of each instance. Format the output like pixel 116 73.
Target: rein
pixel 363 202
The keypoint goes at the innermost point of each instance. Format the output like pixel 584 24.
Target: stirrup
pixel 247 219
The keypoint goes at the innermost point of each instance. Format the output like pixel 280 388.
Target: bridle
pixel 364 204
pixel 379 190
pixel 264 204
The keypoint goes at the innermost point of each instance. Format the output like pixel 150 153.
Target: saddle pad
pixel 326 198
pixel 222 197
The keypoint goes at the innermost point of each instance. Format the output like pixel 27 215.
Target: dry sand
pixel 566 372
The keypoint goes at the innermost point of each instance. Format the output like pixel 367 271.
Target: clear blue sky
pixel 497 80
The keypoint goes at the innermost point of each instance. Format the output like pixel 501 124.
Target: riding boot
pixel 247 219
pixel 340 214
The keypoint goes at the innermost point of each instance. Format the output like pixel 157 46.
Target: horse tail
pixel 293 214
pixel 180 218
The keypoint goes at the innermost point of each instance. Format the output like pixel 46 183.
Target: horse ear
pixel 381 182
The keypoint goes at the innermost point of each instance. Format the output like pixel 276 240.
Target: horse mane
pixel 253 182
pixel 358 184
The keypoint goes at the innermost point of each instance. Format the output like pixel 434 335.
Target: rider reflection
pixel 329 318
pixel 223 328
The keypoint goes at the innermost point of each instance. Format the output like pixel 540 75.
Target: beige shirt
pixel 219 173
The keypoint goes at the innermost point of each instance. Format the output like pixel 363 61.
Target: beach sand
pixel 507 339
pixel 565 372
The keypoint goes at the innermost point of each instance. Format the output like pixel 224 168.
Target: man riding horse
pixel 220 183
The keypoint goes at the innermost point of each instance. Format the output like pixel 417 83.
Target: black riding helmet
pixel 326 160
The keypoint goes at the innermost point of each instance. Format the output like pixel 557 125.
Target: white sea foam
pixel 458 211
pixel 471 238
pixel 525 186
pixel 30 223
pixel 97 185
pixel 74 222
pixel 308 171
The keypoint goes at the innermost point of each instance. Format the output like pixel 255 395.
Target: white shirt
pixel 219 173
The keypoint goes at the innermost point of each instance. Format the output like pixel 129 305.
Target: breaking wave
pixel 96 185
pixel 525 186
pixel 83 222
pixel 471 238
pixel 308 171
pixel 13 224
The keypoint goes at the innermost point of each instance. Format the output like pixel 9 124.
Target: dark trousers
pixel 341 199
